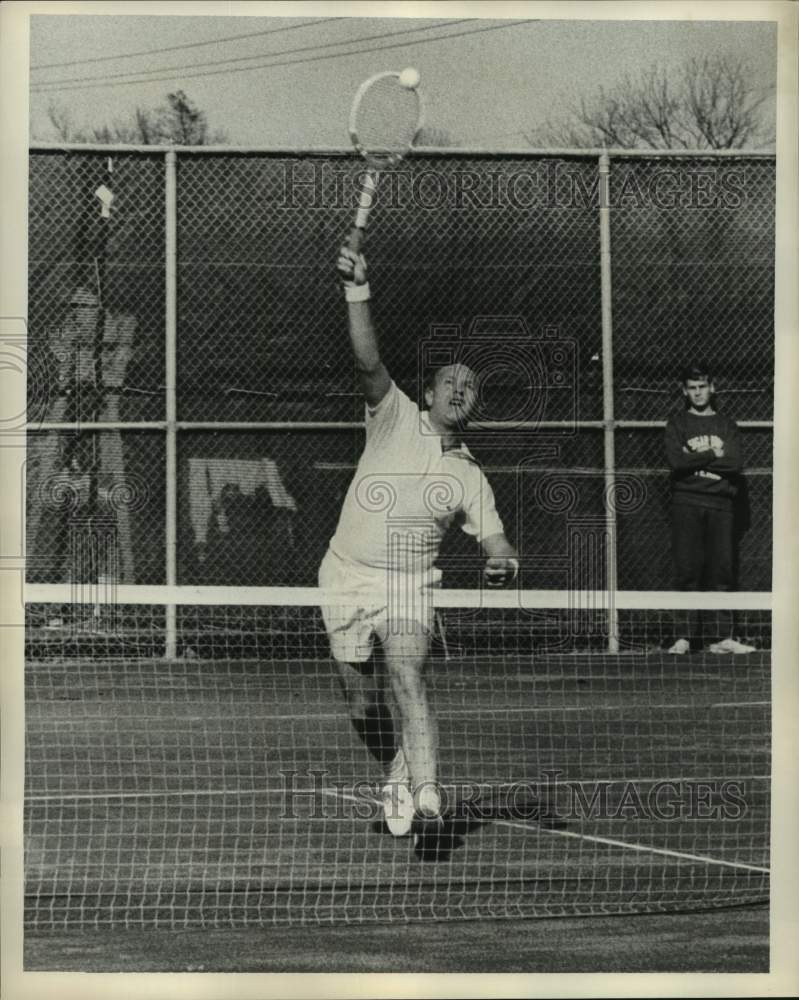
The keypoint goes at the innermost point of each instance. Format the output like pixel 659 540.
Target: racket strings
pixel 387 118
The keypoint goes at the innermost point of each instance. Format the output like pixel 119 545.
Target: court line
pixel 642 848
pixel 607 781
pixel 194 794
pixel 645 848
pixel 267 790
pixel 737 704
pixel 444 714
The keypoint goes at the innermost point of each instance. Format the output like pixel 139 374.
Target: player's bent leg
pixel 406 650
pixel 370 714
pixel 373 721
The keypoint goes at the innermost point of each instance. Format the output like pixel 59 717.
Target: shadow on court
pixel 438 842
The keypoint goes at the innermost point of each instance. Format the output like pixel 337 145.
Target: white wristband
pixel 357 293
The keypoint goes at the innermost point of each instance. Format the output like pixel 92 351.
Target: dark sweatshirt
pixel 698 477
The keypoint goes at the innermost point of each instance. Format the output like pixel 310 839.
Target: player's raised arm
pixel 374 378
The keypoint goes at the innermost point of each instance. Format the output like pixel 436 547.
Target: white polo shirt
pixel 407 491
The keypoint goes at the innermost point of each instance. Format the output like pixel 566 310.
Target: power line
pixel 237 59
pixel 187 45
pixel 296 62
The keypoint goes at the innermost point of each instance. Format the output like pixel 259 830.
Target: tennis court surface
pixel 191 764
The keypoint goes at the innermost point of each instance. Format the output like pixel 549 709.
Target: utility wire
pixel 292 62
pixel 187 45
pixel 229 61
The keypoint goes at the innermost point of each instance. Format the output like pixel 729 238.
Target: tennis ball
pixel 410 78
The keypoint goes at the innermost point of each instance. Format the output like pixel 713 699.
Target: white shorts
pixel 372 602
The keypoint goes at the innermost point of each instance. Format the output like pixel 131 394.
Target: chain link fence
pixel 693 278
pixel 494 260
pixel 96 304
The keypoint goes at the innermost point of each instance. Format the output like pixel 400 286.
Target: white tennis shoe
pixel 397 807
pixel 680 646
pixel 397 797
pixel 731 646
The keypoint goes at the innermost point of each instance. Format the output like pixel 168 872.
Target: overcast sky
pixel 488 83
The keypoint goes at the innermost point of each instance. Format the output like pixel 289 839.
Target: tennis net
pixel 189 761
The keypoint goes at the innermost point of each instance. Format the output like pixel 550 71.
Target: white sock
pixel 398 768
pixel 429 801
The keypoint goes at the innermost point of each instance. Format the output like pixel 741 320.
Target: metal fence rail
pixel 206 407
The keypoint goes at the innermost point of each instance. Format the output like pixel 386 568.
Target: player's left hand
pixel 500 571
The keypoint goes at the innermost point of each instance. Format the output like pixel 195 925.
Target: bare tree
pixel 61 120
pixel 712 103
pixel 179 122
pixel 146 127
pixel 185 124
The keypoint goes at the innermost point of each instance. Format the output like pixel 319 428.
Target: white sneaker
pixel 680 646
pixel 397 797
pixel 397 807
pixel 429 801
pixel 731 646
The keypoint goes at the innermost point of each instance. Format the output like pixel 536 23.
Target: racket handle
pixel 368 188
pixel 355 239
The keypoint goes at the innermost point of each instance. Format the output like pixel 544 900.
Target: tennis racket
pixel 385 117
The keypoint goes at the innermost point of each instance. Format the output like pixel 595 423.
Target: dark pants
pixel 703 552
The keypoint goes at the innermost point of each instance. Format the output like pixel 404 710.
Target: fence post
pixel 607 398
pixel 170 165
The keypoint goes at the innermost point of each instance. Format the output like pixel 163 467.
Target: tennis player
pixel 704 452
pixel 414 479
